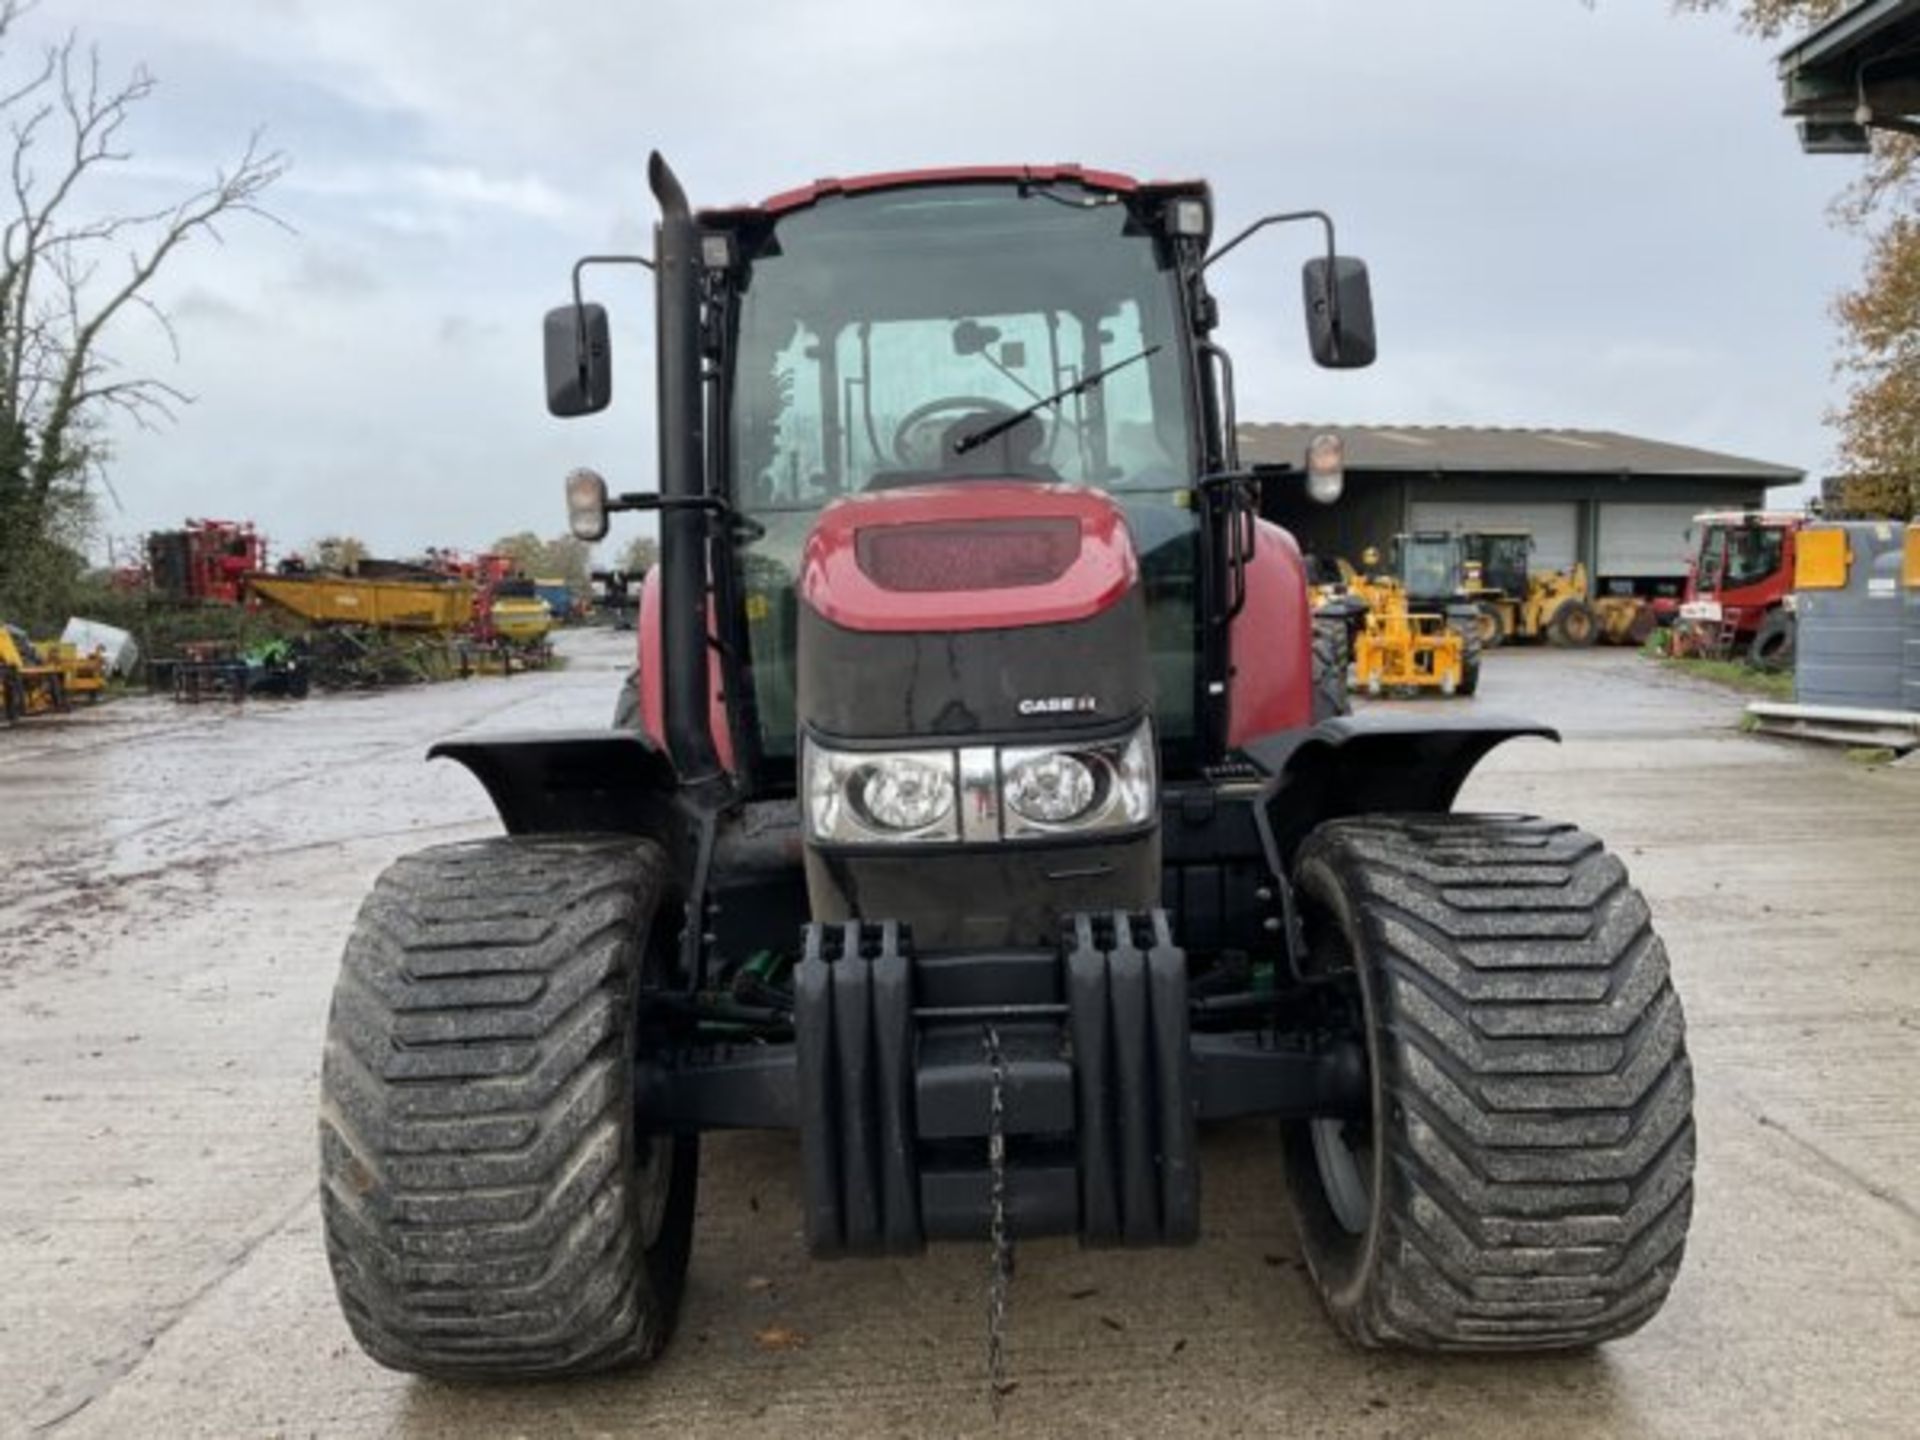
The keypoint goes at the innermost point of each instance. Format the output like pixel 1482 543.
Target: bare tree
pixel 68 277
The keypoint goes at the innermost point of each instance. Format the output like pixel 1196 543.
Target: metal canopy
pixel 1858 72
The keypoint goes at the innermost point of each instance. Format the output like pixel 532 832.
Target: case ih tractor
pixel 975 828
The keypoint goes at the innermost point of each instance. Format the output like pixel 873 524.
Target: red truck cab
pixel 1742 569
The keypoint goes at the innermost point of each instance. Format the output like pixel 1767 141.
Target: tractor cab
pixel 1497 561
pixel 1742 569
pixel 1429 563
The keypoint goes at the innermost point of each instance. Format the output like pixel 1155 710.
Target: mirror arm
pixel 1285 218
pixel 1289 217
pixel 717 505
pixel 579 320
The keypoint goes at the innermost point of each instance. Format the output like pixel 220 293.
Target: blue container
pixel 559 599
pixel 1852 626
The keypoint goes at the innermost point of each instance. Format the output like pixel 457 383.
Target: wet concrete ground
pixel 175 884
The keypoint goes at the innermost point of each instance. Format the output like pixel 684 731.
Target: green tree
pixel 1878 423
pixel 70 279
pixel 562 557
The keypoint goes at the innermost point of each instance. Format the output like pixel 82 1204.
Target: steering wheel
pixel 990 411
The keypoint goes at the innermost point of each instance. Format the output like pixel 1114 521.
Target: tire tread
pixel 1540 1140
pixel 476 1113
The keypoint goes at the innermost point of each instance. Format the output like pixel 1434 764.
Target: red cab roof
pixel 805 195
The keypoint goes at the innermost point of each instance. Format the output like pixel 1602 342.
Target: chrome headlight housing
pixel 1072 789
pixel 979 793
pixel 856 796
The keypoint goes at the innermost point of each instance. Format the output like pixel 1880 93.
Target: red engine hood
pixel 970 555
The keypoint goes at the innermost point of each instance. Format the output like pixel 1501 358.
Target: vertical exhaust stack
pixel 683 526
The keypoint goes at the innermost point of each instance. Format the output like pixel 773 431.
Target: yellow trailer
pixel 387 604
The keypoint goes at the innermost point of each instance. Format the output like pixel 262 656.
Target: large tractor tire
pixel 1330 670
pixel 491 1205
pixel 1574 626
pixel 626 709
pixel 1773 643
pixel 1523 1176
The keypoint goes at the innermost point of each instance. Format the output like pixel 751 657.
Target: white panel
pixel 1555 524
pixel 1646 539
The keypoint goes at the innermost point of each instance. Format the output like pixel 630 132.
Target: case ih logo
pixel 1059 705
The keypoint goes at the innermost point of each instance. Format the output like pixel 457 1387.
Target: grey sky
pixel 1574 217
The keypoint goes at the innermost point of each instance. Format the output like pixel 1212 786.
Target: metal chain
pixel 1001 1271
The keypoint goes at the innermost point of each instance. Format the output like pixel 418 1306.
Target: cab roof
pixel 802 196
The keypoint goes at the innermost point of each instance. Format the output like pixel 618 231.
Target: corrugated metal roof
pixel 1478 450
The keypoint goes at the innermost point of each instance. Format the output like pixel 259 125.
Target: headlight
pixel 902 793
pixel 979 794
pixel 1040 784
pixel 1052 789
pixel 855 796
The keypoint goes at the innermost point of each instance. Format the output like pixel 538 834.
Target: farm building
pixel 1621 504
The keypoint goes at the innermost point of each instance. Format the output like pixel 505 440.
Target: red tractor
pixel 973 823
pixel 1739 593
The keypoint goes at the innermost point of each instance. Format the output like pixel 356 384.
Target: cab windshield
pixel 879 336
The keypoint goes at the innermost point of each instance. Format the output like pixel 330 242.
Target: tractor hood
pixel 974 682
pixel 973 607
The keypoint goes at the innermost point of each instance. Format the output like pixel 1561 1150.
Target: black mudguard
pixel 571 782
pixel 1365 764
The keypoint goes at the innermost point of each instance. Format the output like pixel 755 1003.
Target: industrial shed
pixel 1621 504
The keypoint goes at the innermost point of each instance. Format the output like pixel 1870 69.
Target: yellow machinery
pixel 28 685
pixel 1516 602
pixel 524 620
pixel 1398 649
pixel 82 672
pixel 388 604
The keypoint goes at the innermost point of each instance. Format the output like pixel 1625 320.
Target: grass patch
pixel 1735 675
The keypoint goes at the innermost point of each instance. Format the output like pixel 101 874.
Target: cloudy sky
pixel 1575 216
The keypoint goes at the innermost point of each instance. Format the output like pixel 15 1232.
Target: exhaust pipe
pixel 683 528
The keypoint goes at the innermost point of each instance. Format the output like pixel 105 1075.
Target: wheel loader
pixel 971 822
pixel 1515 602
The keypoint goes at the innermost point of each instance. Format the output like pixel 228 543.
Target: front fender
pixel 1364 764
pixel 570 782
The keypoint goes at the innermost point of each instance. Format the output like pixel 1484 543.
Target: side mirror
pixel 1339 312
pixel 579 360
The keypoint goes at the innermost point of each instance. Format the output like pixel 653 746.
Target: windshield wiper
pixel 1079 387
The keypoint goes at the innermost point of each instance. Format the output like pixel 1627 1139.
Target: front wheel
pixel 1488 628
pixel 1470 648
pixel 1773 642
pixel 1330 670
pixel 1522 1175
pixel 1574 626
pixel 493 1205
